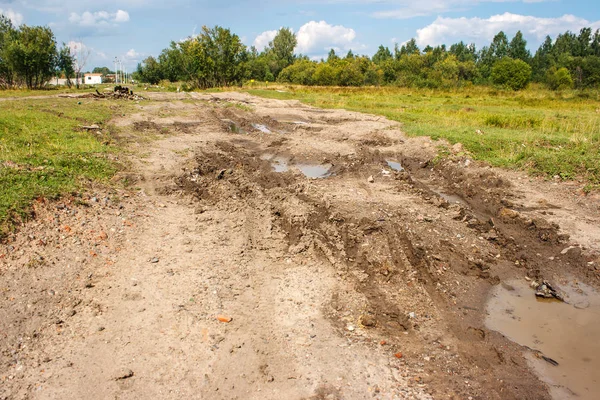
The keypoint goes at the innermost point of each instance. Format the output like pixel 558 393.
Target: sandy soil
pixel 370 283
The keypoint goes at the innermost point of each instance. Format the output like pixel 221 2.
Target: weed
pixel 44 153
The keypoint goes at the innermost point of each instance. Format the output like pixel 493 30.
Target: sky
pixel 132 30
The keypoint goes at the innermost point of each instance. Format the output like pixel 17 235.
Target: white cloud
pixel 406 9
pixel 263 39
pixel 98 18
pixel 132 54
pixel 15 17
pixel 482 30
pixel 316 37
pixel 121 16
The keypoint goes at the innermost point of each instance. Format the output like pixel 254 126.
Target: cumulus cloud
pixel 406 9
pixel 98 18
pixel 15 17
pixel 482 30
pixel 317 37
pixel 263 39
pixel 121 16
pixel 132 55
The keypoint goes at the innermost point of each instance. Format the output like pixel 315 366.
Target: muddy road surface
pixel 264 249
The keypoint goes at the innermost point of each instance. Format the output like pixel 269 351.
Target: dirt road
pixel 368 278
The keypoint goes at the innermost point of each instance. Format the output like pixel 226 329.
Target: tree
pixel 411 47
pixel 300 73
pixel 511 74
pixel 149 71
pixel 215 57
pixel 7 36
pixel 517 49
pixel 80 55
pixel 464 52
pixel 171 63
pixel 65 63
pixel 102 70
pixel 332 57
pixel 542 60
pixel 383 54
pixel 281 50
pixel 33 55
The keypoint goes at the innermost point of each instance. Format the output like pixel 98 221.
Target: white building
pixel 92 79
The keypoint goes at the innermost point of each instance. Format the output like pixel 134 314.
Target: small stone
pixel 351 328
pixel 368 320
pixel 154 260
pixel 371 179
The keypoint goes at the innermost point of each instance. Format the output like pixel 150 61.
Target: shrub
pixel 559 79
pixel 511 74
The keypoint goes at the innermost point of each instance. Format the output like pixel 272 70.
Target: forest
pixel 217 57
pixel 29 57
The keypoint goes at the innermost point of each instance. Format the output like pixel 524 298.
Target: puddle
pixel 262 128
pixel 315 170
pixel 566 333
pixel 451 198
pixel 395 165
pixel 278 163
pixel 233 126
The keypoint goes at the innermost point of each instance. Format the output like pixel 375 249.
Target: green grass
pixel 43 153
pixel 543 132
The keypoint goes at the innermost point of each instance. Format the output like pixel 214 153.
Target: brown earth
pixel 370 283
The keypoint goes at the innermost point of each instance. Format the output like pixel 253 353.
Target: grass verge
pixel 45 153
pixel 544 132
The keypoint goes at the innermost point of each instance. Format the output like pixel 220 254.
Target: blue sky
pixel 135 29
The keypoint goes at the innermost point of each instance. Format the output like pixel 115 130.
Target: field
pixel 537 130
pixel 45 152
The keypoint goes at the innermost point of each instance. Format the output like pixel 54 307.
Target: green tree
pixel 7 36
pixel 464 52
pixel 300 73
pixel 324 75
pixel 33 55
pixel 65 63
pixel 149 71
pixel 171 63
pixel 102 70
pixel 383 54
pixel 281 50
pixel 332 58
pixel 511 74
pixel 517 49
pixel 542 60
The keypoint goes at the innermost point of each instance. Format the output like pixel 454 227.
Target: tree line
pixel 29 56
pixel 217 57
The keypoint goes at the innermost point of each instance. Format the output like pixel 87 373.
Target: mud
pixel 561 336
pixel 339 287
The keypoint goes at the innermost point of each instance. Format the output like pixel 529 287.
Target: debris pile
pixel 119 92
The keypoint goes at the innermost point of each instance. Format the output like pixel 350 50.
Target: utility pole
pixel 116 71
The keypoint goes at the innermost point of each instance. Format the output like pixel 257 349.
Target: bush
pixel 511 74
pixel 559 79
